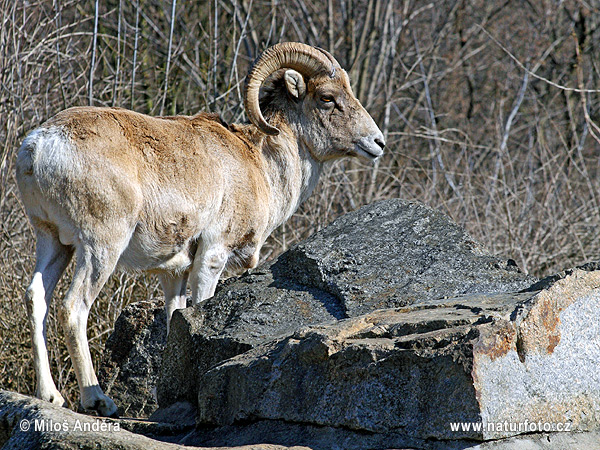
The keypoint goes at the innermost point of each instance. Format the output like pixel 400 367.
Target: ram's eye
pixel 327 99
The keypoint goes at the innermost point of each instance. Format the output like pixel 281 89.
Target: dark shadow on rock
pixel 332 304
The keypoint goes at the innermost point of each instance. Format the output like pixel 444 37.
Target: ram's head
pixel 315 96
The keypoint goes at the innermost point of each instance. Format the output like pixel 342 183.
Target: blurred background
pixel 489 107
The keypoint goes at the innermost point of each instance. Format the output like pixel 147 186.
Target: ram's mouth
pixel 368 152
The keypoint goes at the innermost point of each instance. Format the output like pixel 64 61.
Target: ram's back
pixel 167 179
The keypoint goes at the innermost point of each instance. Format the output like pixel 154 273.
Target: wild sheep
pixel 182 197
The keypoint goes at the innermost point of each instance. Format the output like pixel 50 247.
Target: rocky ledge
pixel 391 328
pixel 482 359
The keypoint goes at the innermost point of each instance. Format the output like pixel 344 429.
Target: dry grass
pixel 479 102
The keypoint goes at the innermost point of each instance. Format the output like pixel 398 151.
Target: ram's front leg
pixel 174 288
pixel 208 266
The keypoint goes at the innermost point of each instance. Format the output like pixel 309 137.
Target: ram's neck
pixel 292 173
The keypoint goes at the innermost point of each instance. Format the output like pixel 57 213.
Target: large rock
pixel 66 430
pixel 389 329
pixel 32 424
pixel 329 438
pixel 131 362
pixel 502 363
pixel 395 253
pixel 389 254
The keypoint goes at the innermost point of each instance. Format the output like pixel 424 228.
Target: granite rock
pixel 389 254
pixel 32 424
pixel 130 365
pixel 483 359
pixel 81 432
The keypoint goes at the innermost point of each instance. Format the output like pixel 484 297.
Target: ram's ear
pixel 295 84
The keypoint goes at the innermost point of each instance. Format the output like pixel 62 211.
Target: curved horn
pixel 292 55
pixel 333 61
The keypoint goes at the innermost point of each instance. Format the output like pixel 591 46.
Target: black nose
pixel 380 143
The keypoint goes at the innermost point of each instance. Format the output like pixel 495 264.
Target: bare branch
pixel 515 110
pixel 169 49
pixel 93 62
pixel 533 74
pixel 135 50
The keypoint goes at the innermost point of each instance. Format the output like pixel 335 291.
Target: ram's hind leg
pixel 95 263
pixel 51 260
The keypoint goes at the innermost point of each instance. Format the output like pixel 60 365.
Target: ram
pixel 183 197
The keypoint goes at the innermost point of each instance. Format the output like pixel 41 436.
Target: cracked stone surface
pixel 377 332
pixel 62 429
pixel 481 358
pixel 388 254
pixel 147 435
pixel 130 365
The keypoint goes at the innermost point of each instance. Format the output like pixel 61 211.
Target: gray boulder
pixel 59 428
pixel 388 254
pixel 395 253
pixel 131 362
pixel 496 365
pixel 32 424
pixel 389 329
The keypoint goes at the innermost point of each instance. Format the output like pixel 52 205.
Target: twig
pixel 514 111
pixel 239 43
pixel 592 125
pixel 169 49
pixel 118 64
pixel 135 50
pixel 215 48
pixel 436 154
pixel 93 63
pixel 503 144
pixel 58 63
pixel 533 74
pixel 330 25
